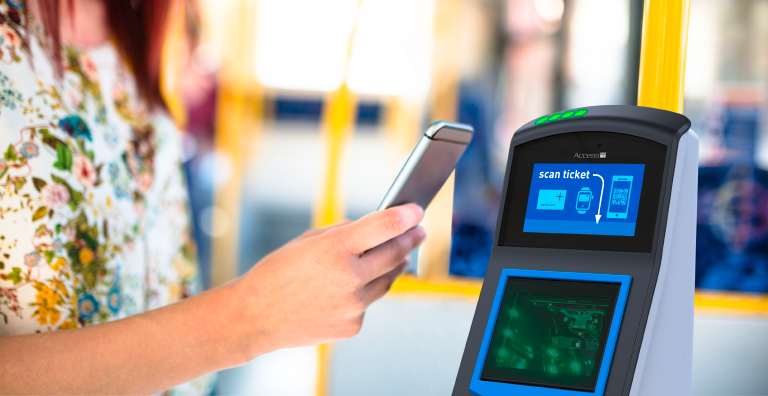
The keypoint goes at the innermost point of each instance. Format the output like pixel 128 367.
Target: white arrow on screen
pixel 599 204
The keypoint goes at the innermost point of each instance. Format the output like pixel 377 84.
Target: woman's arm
pixel 142 354
pixel 313 290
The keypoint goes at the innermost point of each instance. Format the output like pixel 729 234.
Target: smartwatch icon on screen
pixel 583 200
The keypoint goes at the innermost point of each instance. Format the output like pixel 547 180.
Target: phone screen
pixel 621 188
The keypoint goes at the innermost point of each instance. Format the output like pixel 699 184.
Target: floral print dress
pixel 94 219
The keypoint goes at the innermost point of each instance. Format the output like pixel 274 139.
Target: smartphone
pixel 621 188
pixel 429 165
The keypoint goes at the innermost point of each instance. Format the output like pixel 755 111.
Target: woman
pixel 94 229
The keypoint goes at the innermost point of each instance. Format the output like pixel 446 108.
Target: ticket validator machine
pixel 590 285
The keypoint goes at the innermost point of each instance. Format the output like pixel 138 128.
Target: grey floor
pixel 730 356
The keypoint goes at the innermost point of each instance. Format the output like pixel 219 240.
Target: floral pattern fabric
pixel 94 220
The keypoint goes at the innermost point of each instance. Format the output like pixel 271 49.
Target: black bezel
pixel 620 149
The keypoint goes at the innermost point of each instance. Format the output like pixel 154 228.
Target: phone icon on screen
pixel 618 204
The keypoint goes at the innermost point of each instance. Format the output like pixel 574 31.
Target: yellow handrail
pixel 238 113
pixel 338 121
pixel 337 126
pixel 171 67
pixel 434 254
pixel 663 53
pixel 712 302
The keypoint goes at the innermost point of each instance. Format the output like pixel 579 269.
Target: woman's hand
pixel 316 288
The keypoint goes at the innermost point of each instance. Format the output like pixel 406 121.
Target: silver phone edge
pixel 415 156
pixel 435 126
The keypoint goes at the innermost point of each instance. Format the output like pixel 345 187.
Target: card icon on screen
pixel 551 200
pixel 621 188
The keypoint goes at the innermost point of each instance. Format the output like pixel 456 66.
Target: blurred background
pixel 301 112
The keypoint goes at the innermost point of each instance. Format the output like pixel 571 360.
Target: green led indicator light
pixel 568 114
pixel 542 120
pixel 554 117
pixel 580 113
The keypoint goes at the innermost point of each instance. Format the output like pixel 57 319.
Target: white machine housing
pixel 665 364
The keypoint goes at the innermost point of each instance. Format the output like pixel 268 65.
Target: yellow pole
pixel 446 59
pixel 171 67
pixel 337 125
pixel 238 111
pixel 338 122
pixel 663 53
pixel 403 119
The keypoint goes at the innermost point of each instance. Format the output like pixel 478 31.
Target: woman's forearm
pixel 142 354
pixel 313 290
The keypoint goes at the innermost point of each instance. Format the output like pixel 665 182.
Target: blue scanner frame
pixel 480 387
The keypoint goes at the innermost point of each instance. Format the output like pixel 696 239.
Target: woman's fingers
pixel 318 231
pixel 378 227
pixel 383 258
pixel 378 287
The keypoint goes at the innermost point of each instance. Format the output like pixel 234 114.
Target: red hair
pixel 138 27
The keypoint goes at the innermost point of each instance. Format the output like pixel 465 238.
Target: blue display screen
pixel 591 199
